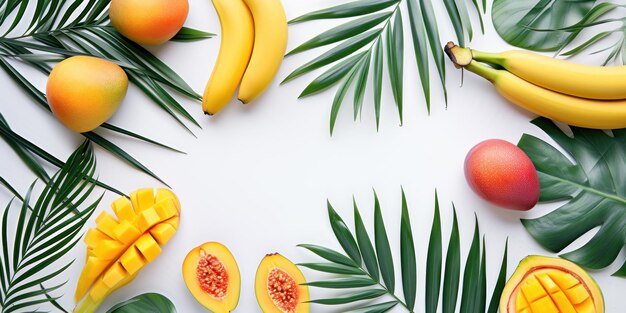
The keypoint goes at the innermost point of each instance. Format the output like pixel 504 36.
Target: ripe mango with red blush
pixel 84 92
pixel 148 22
pixel 502 174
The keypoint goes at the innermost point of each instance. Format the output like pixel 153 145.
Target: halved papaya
pixel 212 276
pixel 279 286
pixel 551 285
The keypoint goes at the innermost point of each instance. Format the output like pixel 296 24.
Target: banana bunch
pixel 578 95
pixel 254 40
pixel 119 247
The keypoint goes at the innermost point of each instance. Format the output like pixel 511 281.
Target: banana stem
pixel 487 72
pixel 493 59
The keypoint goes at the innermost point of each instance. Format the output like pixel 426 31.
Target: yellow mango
pixel 123 208
pixel 564 280
pixel 544 305
pixel 84 91
pixel 162 233
pixel 114 275
pixel 532 290
pixel 520 302
pixel 148 247
pixel 132 260
pixel 147 219
pixel 547 283
pixel 142 199
pixel 94 236
pixel 119 247
pixel 585 307
pixel 551 285
pixel 166 209
pixel 108 249
pixel 577 294
pixel 126 232
pixel 562 302
pixel 106 224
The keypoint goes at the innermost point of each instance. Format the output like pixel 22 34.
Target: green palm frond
pixel 28 153
pixel 45 233
pixel 375 30
pixel 366 269
pixel 59 29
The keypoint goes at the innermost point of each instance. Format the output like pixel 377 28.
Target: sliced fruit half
pixel 212 276
pixel 551 285
pixel 121 245
pixel 279 286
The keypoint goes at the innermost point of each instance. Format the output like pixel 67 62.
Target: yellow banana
pixel 270 43
pixel 575 111
pixel 235 50
pixel 119 247
pixel 585 81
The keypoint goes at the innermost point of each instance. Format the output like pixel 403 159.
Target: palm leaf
pixel 51 31
pixel 28 152
pixel 377 28
pixel 45 233
pixel 591 184
pixel 359 287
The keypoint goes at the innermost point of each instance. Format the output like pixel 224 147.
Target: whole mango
pixel 501 173
pixel 148 22
pixel 84 92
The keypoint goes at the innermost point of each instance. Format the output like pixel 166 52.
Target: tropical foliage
pixel 46 230
pixel 372 37
pixel 554 25
pixel 367 268
pixel 147 302
pixel 59 29
pixel 589 176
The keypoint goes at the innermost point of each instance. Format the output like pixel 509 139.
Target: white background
pixel 257 177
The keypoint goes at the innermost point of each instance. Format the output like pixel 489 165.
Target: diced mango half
pixel 551 285
pixel 544 295
pixel 119 246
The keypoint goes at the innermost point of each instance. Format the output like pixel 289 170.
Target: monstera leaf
pixel 537 24
pixel 147 302
pixel 594 186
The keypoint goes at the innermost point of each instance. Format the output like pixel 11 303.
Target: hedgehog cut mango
pixel 551 285
pixel 119 247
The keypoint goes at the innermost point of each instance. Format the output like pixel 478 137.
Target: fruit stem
pixel 461 57
pixel 494 59
pixel 485 71
pixel 87 306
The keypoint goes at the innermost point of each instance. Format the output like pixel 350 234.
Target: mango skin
pixel 148 22
pixel 502 174
pixel 84 92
